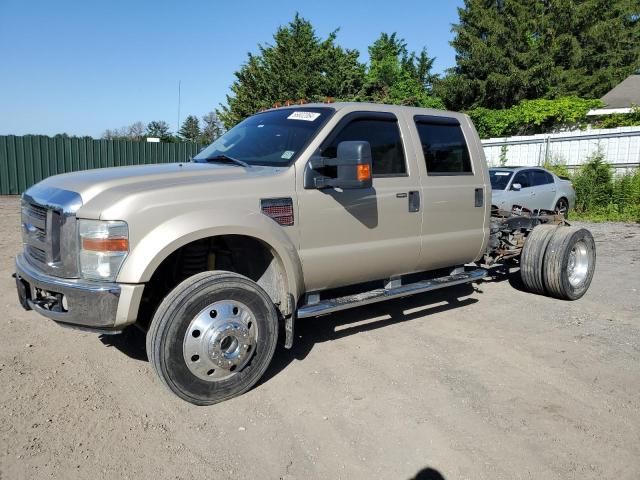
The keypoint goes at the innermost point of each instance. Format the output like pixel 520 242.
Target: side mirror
pixel 516 186
pixel 350 169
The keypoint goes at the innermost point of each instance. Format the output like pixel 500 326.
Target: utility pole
pixel 179 84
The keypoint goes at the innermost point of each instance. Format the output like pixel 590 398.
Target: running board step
pixel 381 294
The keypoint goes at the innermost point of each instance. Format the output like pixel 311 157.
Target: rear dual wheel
pixel 559 261
pixel 213 337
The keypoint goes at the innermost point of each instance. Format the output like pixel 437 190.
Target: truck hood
pixel 103 188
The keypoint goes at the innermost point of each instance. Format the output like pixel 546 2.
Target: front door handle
pixel 414 201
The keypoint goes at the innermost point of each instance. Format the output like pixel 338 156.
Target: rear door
pixel 544 189
pixel 454 192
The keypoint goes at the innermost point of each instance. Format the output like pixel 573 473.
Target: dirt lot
pixel 476 382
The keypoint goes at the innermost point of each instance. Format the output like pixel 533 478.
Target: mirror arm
pixel 317 163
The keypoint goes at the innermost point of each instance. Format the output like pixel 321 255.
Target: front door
pixel 349 236
pixel 526 196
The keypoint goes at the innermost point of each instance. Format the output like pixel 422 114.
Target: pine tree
pixel 299 65
pixel 159 129
pixel 510 50
pixel 190 129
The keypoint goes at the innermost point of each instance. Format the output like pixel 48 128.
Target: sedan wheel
pixel 562 207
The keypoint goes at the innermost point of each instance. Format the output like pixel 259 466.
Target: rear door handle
pixel 401 195
pixel 414 201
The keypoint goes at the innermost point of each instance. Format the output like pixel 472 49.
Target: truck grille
pixel 36 211
pixel 37 254
pixel 49 229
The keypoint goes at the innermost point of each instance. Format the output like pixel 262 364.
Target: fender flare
pixel 154 247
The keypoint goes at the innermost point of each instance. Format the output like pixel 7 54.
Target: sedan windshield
pixel 500 179
pixel 273 138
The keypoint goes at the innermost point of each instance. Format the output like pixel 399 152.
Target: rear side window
pixel 541 177
pixel 444 147
pixel 384 138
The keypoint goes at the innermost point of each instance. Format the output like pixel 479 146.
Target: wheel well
pixel 242 254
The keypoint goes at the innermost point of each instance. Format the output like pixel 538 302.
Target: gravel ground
pixel 476 382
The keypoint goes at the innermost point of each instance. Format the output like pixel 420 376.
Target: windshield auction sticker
pixel 306 116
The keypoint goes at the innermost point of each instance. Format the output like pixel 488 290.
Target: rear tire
pixel 562 207
pixel 569 263
pixel 213 337
pixel 532 258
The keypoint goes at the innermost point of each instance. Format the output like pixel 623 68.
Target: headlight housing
pixel 104 245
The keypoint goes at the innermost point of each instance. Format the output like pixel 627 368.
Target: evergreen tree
pixel 596 44
pixel 190 129
pixel 299 65
pixel 159 129
pixel 510 50
pixel 398 77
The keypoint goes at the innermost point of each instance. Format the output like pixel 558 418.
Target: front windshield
pixel 272 138
pixel 500 179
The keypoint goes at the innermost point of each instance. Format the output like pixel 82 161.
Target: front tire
pixel 213 337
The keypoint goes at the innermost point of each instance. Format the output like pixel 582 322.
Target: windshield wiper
pixel 228 159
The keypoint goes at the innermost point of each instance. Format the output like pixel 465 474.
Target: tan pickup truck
pixel 295 212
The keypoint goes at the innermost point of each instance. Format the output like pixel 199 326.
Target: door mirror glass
pixel 350 169
pixel 516 187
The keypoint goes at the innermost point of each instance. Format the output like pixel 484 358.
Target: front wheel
pixel 213 337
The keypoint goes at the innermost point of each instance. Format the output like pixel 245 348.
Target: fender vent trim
pixel 279 209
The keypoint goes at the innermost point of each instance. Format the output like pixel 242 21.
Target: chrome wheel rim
pixel 220 340
pixel 578 265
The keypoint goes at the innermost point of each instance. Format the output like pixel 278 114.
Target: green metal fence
pixel 29 159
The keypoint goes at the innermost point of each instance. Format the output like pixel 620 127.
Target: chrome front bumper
pixel 76 302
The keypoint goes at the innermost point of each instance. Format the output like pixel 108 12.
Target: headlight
pixel 103 247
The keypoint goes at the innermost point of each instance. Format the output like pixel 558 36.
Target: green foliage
pixel 532 116
pixel 159 129
pixel 619 119
pixel 299 65
pixel 190 129
pixel 398 77
pixel 601 197
pixel 593 183
pixel 511 50
pixel 503 155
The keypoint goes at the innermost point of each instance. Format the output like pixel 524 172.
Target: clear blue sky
pixel 84 66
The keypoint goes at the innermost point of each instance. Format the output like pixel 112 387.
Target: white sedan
pixel 533 188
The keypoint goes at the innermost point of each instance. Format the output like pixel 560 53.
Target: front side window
pixel 500 179
pixel 273 138
pixel 444 147
pixel 523 178
pixel 386 144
